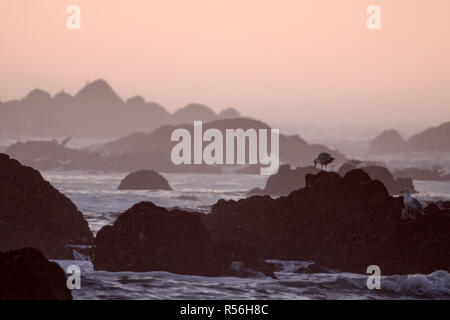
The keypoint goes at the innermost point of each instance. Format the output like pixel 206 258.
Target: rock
pixel 394 186
pixel 27 275
pixel 345 223
pixel 285 181
pixel 151 238
pixel 389 141
pixel 33 213
pixel 432 139
pixel 144 180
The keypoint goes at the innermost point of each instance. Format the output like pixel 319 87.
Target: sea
pixel 96 196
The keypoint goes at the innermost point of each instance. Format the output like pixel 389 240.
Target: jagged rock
pixel 25 274
pixel 150 238
pixel 144 180
pixel 33 213
pixel 345 223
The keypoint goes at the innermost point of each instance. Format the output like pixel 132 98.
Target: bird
pixel 412 205
pixel 324 159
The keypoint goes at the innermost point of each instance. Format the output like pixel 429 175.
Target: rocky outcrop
pixel 151 238
pixel 25 274
pixel 393 185
pixel 144 180
pixel 434 139
pixel 345 223
pixel 389 141
pixel 431 139
pixel 33 213
pixel 284 181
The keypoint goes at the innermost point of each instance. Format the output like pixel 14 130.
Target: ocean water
pixel 96 195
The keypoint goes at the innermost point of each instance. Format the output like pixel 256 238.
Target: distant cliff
pixel 96 111
pixel 152 150
pixel 435 139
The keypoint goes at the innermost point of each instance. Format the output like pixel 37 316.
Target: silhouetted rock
pixel 432 139
pixel 50 154
pixel 434 174
pixel 144 180
pixel 345 223
pixel 229 113
pixel 389 141
pixel 37 97
pixel 33 213
pixel 136 101
pixel 149 238
pixel 25 274
pixel 285 181
pixel 394 186
pixel 193 112
pixel 62 99
pixel 99 93
pixel 293 149
pixel 38 114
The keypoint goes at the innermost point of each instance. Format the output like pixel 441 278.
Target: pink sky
pixel 286 60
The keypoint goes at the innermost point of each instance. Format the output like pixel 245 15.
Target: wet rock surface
pixel 33 213
pixel 345 223
pixel 27 275
pixel 151 238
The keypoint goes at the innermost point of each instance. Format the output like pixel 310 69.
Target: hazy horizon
pixel 292 62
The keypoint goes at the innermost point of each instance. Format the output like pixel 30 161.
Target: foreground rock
pixel 285 181
pixel 27 275
pixel 345 223
pixel 151 238
pixel 144 180
pixel 393 185
pixel 34 214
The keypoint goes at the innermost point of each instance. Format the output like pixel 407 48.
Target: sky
pixel 285 61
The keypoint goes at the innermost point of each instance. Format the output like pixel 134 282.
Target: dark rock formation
pixel 25 274
pixel 389 141
pixel 144 180
pixel 394 186
pixel 149 238
pixel 285 181
pixel 33 213
pixel 345 223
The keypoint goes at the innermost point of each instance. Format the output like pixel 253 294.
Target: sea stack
pixel 144 180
